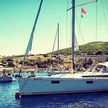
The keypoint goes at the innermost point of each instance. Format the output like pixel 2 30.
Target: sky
pixel 17 18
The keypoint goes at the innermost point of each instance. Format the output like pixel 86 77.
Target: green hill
pixel 89 48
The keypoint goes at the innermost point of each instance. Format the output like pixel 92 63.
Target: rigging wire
pixel 105 17
pixel 106 6
pixel 66 36
pixel 66 22
pixel 96 18
pixel 79 26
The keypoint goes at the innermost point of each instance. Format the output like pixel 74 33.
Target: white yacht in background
pixel 73 82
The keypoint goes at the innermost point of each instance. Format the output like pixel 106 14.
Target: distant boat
pixel 73 82
pixel 4 77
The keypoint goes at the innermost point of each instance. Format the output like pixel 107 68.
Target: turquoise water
pixel 92 100
pixel 29 73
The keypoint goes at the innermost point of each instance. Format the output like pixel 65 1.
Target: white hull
pixel 47 85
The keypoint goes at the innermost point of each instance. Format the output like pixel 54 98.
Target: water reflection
pixel 66 101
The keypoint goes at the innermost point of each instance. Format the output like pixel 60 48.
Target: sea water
pixel 88 100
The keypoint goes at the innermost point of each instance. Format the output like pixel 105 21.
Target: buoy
pixel 18 95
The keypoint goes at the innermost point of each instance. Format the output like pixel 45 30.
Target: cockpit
pixel 101 68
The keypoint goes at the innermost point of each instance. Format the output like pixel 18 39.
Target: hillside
pixel 89 48
pixel 46 60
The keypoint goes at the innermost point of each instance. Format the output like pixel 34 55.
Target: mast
pixel 73 27
pixel 73 32
pixel 58 36
pixel 29 46
pixel 58 41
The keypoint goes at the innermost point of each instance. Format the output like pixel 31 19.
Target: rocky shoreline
pixel 49 62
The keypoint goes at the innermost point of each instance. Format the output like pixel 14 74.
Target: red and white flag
pixel 83 11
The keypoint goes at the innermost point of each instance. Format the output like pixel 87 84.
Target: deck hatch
pixel 55 82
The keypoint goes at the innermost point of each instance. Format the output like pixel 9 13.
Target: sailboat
pixel 73 82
